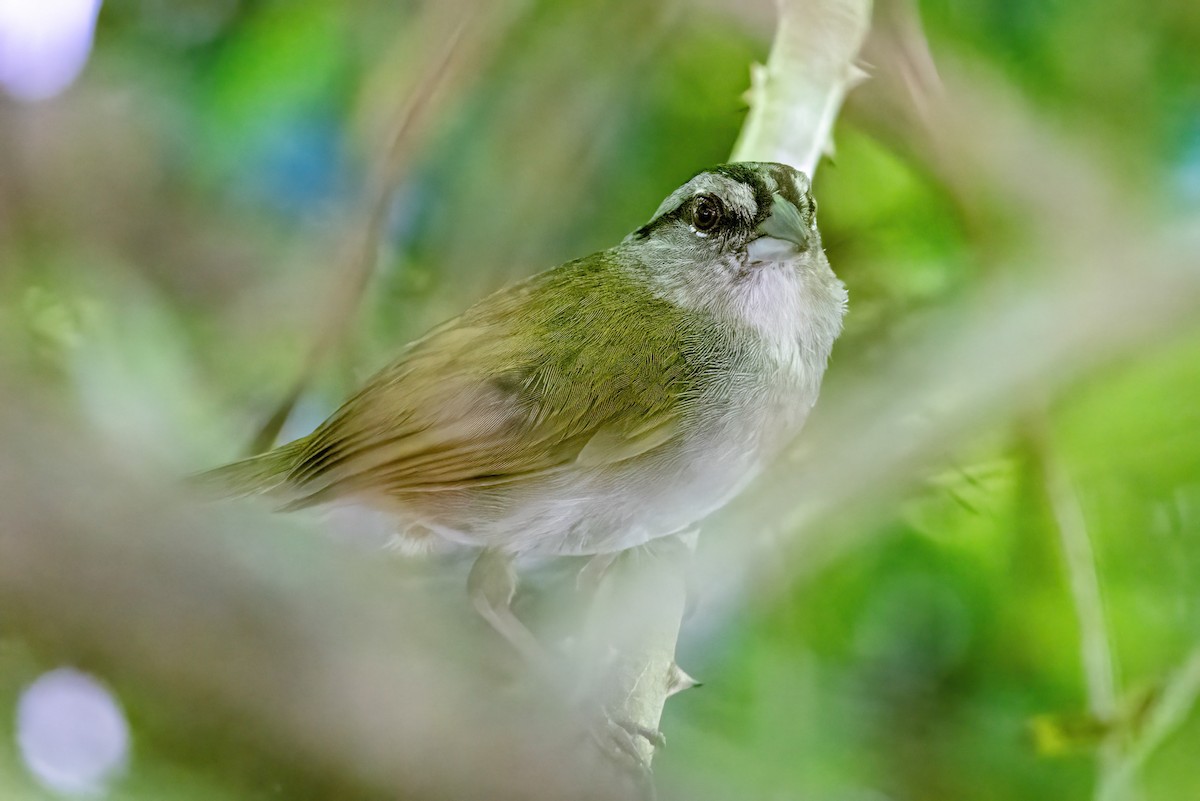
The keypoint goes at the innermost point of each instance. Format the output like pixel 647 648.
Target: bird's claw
pixel 619 738
pixel 653 736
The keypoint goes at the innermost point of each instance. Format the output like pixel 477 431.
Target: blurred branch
pixel 249 626
pixel 462 35
pixel 795 99
pixel 1167 715
pixel 1106 279
pixel 1096 653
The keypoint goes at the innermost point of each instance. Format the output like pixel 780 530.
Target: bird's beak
pixel 782 236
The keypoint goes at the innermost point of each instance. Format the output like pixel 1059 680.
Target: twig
pixel 795 98
pixel 1099 664
pixel 1167 715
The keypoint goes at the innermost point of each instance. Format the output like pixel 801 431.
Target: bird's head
pixel 740 238
pixel 755 212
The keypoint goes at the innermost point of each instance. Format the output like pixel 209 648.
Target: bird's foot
pixel 621 739
pixel 620 742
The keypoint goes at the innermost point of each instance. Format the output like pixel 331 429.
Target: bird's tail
pixel 256 475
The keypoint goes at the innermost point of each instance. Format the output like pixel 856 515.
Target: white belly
pixel 608 509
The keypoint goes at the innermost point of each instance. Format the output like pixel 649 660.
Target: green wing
pixel 578 367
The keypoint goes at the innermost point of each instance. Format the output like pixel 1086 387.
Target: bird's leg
pixel 491 586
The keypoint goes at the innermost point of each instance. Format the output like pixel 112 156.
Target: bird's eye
pixel 706 213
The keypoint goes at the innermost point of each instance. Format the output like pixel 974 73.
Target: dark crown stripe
pixel 750 174
pixel 785 185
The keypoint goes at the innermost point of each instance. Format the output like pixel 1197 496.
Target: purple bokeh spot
pixel 71 732
pixel 44 45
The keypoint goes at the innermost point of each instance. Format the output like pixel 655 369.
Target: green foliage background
pixel 168 229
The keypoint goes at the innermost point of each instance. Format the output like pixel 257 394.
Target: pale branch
pixel 629 638
pixel 795 98
pixel 243 624
pixel 794 102
pixel 964 372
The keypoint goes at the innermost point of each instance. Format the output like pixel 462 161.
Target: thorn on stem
pixel 678 681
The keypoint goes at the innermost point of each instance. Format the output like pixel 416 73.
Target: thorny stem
pixel 794 101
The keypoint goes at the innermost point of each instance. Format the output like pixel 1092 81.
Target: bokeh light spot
pixel 72 733
pixel 44 45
